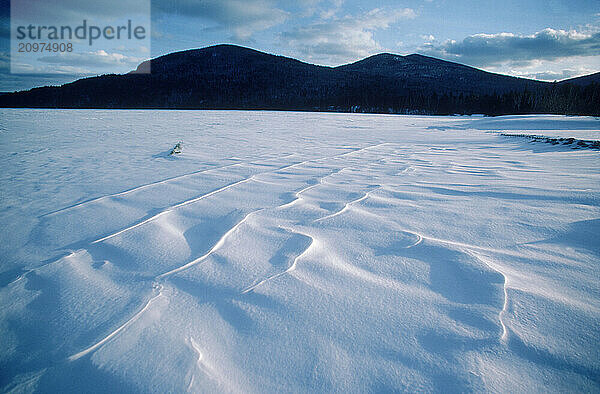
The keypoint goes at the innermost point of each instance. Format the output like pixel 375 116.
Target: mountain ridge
pixel 227 76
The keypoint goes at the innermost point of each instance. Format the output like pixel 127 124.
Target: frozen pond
pixel 296 252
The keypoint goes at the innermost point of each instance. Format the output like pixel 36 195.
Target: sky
pixel 547 40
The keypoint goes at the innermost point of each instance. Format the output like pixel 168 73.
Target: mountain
pixel 583 81
pixel 233 77
pixel 423 72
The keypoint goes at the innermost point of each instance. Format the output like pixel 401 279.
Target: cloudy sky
pixel 543 39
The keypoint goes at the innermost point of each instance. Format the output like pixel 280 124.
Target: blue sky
pixel 551 39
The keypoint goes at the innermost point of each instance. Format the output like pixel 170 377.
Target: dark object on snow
pixel 176 149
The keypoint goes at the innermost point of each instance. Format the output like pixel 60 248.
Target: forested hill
pixel 233 77
pixel 585 80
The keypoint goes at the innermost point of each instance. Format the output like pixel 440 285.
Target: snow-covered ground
pixel 296 252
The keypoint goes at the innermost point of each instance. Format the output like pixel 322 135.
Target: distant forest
pixel 563 99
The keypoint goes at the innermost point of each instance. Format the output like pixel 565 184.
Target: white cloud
pixel 551 75
pixel 549 70
pixel 489 49
pixel 550 54
pixel 342 39
pixel 83 61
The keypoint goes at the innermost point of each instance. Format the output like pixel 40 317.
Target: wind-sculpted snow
pixel 296 252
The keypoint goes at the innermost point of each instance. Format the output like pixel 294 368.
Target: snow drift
pixel 296 252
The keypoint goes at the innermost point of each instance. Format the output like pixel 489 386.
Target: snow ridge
pixel 122 327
